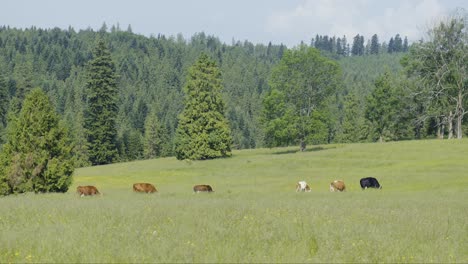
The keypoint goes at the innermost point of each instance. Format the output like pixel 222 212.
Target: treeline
pixel 151 73
pixel 339 45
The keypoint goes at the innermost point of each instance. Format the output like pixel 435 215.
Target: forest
pixel 151 73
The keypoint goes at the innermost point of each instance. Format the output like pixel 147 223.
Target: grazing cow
pixel 144 187
pixel 337 186
pixel 202 188
pixel 87 190
pixel 369 182
pixel 302 186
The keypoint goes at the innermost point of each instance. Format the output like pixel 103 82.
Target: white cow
pixel 302 187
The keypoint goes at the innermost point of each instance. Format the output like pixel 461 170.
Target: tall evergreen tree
pixel 353 127
pixel 4 100
pixel 101 112
pixel 405 44
pixel 381 107
pixel 38 155
pixel 375 46
pixel 203 131
pixel 155 136
pixel 358 46
pixel 356 43
pixel 398 45
pixel 391 46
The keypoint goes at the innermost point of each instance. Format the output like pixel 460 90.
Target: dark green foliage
pixel 151 71
pixel 375 45
pixel 353 128
pixel 37 156
pixel 203 131
pixel 156 140
pixel 4 102
pixel 102 107
pixel 382 107
pixel 358 46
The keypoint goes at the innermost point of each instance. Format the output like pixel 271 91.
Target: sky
pixel 258 21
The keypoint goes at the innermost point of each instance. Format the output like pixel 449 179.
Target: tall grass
pixel 255 215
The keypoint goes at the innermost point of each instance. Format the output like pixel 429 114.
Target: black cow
pixel 370 182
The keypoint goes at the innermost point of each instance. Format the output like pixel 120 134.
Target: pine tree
pixel 405 45
pixel 391 46
pixel 23 75
pixel 358 46
pixel 398 45
pixel 382 106
pixel 101 110
pixel 374 49
pixel 361 45
pixel 203 131
pixel 4 101
pixel 154 136
pixel 38 155
pixel 352 128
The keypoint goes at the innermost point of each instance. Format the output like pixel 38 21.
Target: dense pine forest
pixel 151 73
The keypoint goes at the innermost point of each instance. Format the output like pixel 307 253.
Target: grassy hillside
pixel 255 215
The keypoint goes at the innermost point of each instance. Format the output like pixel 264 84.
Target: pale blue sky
pixel 258 21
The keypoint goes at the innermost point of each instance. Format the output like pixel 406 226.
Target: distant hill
pixel 152 73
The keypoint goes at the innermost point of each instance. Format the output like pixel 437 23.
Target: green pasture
pixel 255 215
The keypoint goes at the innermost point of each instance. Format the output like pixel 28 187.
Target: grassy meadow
pixel 255 215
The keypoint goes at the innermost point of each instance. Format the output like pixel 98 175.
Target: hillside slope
pixel 255 215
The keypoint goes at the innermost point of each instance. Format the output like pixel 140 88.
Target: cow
pixel 87 190
pixel 370 182
pixel 144 187
pixel 302 186
pixel 337 186
pixel 202 188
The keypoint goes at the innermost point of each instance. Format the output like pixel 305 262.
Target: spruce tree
pixel 382 106
pixel 154 137
pixel 37 156
pixel 391 46
pixel 374 49
pixel 101 112
pixel 4 101
pixel 405 45
pixel 398 44
pixel 203 131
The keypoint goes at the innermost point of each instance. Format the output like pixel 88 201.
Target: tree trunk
pixel 459 115
pixel 450 125
pixel 440 128
pixel 459 126
pixel 303 145
pixel 381 139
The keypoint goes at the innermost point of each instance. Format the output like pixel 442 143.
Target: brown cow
pixel 87 190
pixel 202 188
pixel 337 186
pixel 144 187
